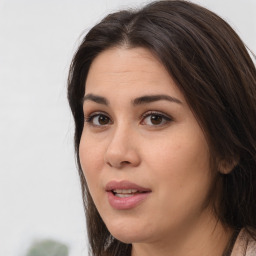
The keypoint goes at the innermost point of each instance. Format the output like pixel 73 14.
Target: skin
pixel 170 156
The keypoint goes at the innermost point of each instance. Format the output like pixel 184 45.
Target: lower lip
pixel 126 203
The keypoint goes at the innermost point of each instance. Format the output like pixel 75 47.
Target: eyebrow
pixel 138 101
pixel 152 98
pixel 95 98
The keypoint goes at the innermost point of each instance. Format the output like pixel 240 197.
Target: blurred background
pixel 40 202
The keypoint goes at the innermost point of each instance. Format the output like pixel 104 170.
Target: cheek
pixel 178 154
pixel 182 178
pixel 91 162
pixel 182 164
pixel 91 158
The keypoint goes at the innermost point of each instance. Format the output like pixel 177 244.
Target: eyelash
pixel 166 118
pixel 89 119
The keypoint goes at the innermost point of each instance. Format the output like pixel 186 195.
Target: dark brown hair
pixel 214 71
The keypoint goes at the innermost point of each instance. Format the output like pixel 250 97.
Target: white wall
pixel 39 186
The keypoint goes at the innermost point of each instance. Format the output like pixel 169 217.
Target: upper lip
pixel 113 185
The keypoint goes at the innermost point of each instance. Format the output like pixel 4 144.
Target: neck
pixel 208 237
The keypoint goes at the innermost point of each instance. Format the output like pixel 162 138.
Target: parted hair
pixel 211 66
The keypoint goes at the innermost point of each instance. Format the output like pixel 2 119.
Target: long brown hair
pixel 213 69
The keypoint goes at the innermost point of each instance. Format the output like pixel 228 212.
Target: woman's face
pixel 144 156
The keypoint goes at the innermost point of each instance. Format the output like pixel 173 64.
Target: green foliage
pixel 48 248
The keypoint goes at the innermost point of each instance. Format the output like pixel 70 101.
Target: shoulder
pixel 245 244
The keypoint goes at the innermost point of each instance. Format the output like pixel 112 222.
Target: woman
pixel 164 102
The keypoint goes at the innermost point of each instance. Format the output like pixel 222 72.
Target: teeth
pixel 123 195
pixel 125 191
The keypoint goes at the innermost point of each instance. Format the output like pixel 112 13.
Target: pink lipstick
pixel 125 195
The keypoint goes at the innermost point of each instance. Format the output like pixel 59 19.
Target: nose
pixel 122 150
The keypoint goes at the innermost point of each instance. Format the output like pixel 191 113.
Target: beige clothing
pixel 245 245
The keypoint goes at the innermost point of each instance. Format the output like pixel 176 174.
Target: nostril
pixel 119 165
pixel 119 158
pixel 125 162
pixel 108 163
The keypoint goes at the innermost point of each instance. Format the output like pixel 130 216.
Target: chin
pixel 127 238
pixel 128 233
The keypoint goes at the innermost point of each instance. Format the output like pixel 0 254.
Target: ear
pixel 226 166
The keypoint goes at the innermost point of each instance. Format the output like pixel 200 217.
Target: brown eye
pixel 98 120
pixel 103 120
pixel 155 119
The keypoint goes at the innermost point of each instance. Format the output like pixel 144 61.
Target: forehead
pixel 122 69
pixel 122 59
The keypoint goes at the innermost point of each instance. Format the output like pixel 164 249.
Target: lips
pixel 125 195
pixel 125 192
